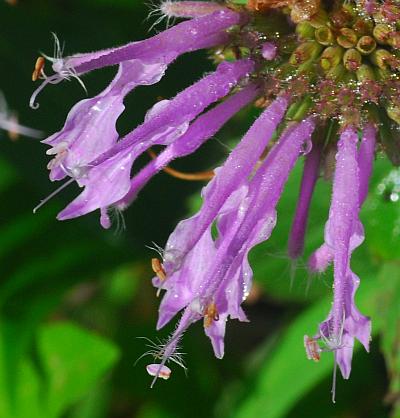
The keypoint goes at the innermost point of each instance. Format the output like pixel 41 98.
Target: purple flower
pixel 202 32
pixel 310 176
pixel 164 124
pixel 343 233
pixel 310 83
pixel 215 276
pixel 269 51
pixel 236 169
pixel 202 129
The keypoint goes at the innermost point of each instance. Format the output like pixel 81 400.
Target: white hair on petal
pixel 159 11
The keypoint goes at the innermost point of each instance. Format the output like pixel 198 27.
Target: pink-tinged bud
pixel 269 51
pixel 159 370
pixel 320 259
pixel 189 9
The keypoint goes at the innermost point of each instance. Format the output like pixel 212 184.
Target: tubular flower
pixel 325 76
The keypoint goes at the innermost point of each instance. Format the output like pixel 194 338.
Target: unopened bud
pixel 394 40
pixel 382 33
pixel 331 57
pixel 365 73
pixel 352 60
pixel 319 19
pixel 324 36
pixel 341 18
pixel 383 74
pixel 384 59
pixel 337 72
pixel 366 45
pixel 347 38
pixel 304 52
pixel 363 27
pixel 305 30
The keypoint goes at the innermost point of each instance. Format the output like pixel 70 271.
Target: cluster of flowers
pixel 308 76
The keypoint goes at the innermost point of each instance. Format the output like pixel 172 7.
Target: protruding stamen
pixel 39 68
pixel 333 390
pixel 51 195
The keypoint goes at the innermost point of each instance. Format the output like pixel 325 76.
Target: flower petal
pixel 232 174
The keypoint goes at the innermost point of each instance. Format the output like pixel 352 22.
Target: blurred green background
pixel 74 298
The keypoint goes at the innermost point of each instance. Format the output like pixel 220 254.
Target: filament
pixel 196 176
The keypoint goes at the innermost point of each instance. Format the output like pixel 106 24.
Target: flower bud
pixel 331 57
pixel 394 40
pixel 304 52
pixel 366 45
pixel 305 30
pixel 365 73
pixel 347 38
pixel 319 19
pixel 337 72
pixel 363 27
pixel 324 36
pixel 341 18
pixel 382 33
pixel 384 59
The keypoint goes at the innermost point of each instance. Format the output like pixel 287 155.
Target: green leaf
pixel 389 318
pixel 73 360
pixel 28 392
pixel 19 383
pixel 287 375
pixel 381 214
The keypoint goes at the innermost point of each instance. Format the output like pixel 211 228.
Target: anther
pixel 210 315
pixel 158 268
pixel 313 350
pixel 38 70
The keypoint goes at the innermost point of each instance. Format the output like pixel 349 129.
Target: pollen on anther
pixel 38 69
